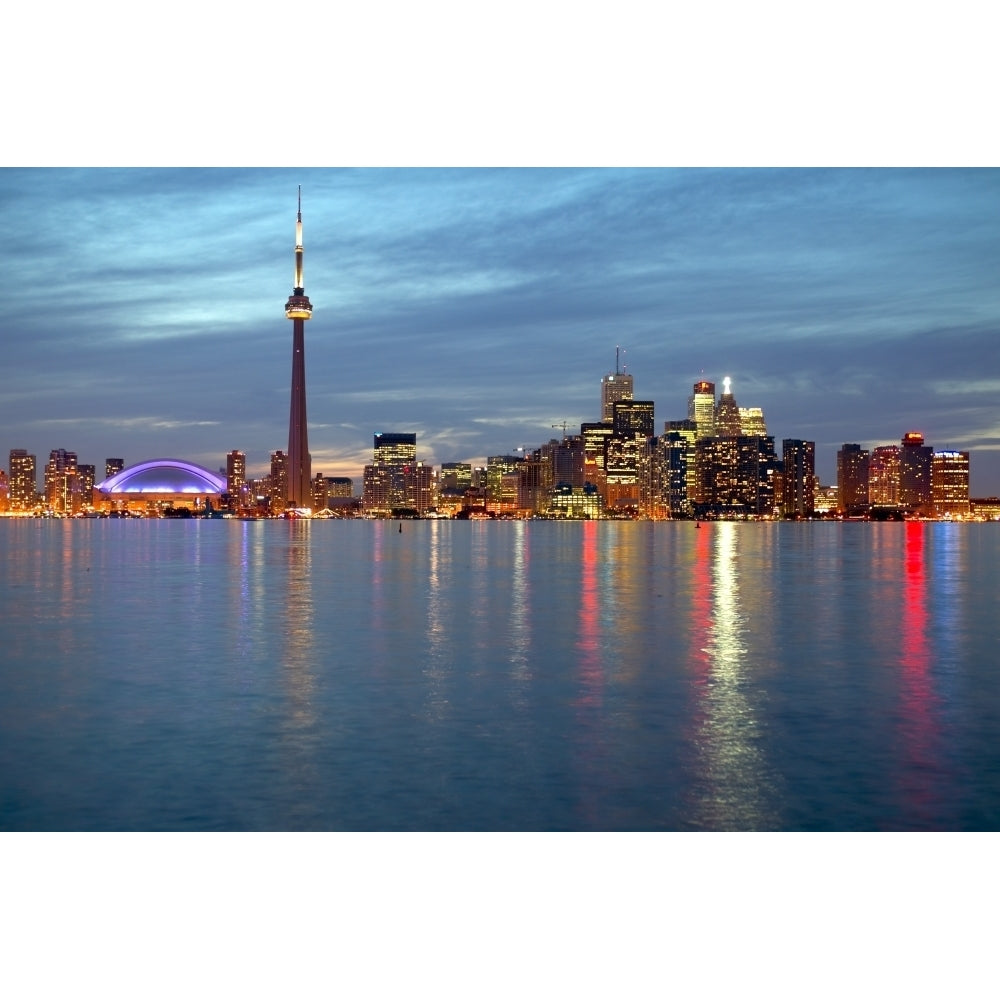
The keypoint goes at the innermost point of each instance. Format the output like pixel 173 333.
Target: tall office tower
pixel 395 449
pixel 456 476
pixel 701 408
pixel 419 487
pixel 535 480
pixel 950 483
pixel 915 460
pixel 627 452
pixel 715 468
pixel 278 486
pixel 852 480
pixel 595 437
pixel 386 479
pixel 318 497
pixel 883 476
pixel 735 476
pixel 756 471
pixel 339 487
pixel 236 475
pixel 727 413
pixel 86 475
pixel 60 480
pixel 112 466
pixel 22 480
pixel 752 423
pixel 614 388
pixel 568 461
pixel 298 309
pixel 497 466
pixel 681 436
pixel 799 484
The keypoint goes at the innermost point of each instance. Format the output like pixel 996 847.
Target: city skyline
pixel 480 308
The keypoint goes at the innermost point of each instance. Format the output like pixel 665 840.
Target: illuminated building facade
pixel 112 466
pixel 576 502
pixel 595 437
pixel 950 483
pixel 677 471
pixel 752 423
pixel 535 482
pixel 852 480
pixel 798 460
pixel 497 466
pixel 915 460
pixel 387 480
pixel 339 486
pixel 701 408
pixel 456 476
pixel 86 475
pixel 727 413
pixel 567 458
pixel 23 485
pixel 615 387
pixel 277 483
pixel 236 477
pixel 883 476
pixel 62 486
pixel 627 453
pixel 298 308
pixel 735 477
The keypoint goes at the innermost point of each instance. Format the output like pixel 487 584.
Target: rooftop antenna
pixel 618 370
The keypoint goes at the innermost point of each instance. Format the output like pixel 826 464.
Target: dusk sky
pixel 143 308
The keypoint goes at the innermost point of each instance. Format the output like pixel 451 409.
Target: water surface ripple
pixel 287 675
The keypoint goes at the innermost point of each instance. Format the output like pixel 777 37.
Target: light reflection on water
pixel 346 675
pixel 734 786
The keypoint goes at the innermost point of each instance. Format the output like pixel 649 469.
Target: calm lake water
pixel 341 675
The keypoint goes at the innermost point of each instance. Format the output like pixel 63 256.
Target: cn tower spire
pixel 298 309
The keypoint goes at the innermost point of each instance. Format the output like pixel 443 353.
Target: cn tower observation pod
pixel 164 476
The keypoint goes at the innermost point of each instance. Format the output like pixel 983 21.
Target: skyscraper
pixel 727 413
pixel 22 479
pixel 614 388
pixel 61 480
pixel 298 309
pixel 950 483
pixel 701 408
pixel 236 475
pixel 387 479
pixel 752 423
pixel 915 473
pixel 799 460
pixel 278 490
pixel 883 476
pixel 852 479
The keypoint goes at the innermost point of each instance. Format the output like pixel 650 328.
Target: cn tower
pixel 298 309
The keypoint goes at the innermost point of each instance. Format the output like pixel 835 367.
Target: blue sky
pixel 143 308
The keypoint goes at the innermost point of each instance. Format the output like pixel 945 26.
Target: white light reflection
pixel 439 642
pixel 298 609
pixel 520 620
pixel 735 790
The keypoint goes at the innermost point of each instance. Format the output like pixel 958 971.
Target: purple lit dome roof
pixel 163 475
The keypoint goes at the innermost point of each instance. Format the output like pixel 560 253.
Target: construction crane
pixel 563 425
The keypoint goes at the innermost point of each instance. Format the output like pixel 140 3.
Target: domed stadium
pixel 163 480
